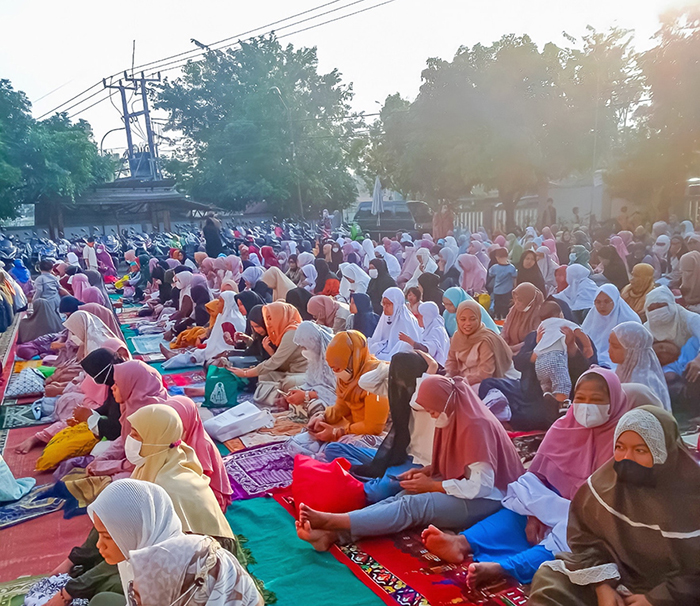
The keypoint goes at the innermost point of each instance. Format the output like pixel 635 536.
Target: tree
pixel 259 121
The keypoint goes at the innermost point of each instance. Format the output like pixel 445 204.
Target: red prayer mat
pixel 183 379
pixel 401 571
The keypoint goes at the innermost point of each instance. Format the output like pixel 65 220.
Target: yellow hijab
pixel 173 465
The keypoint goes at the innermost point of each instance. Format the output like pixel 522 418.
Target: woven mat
pixel 257 471
pixel 18 415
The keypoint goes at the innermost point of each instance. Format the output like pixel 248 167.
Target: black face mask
pixel 630 472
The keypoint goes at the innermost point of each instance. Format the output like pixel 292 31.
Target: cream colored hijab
pixel 173 466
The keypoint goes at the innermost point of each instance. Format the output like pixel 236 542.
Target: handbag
pixel 221 388
pixel 266 393
pixel 326 486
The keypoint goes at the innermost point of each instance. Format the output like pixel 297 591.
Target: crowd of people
pixel 416 359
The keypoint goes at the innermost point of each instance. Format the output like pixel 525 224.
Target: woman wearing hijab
pixel 548 268
pixel 689 269
pixel 208 456
pixel 426 264
pixel 156 449
pixel 96 281
pixel 294 272
pixel 451 300
pixel 608 311
pixel 515 249
pixel 362 318
pixel 43 321
pixel 529 271
pixel 429 285
pixel 473 278
pixel 327 283
pixel 409 266
pixel 188 335
pixel 580 291
pixel 300 297
pixel 629 526
pixel 278 282
pixel 286 364
pixel 329 313
pixel 269 258
pixel 614 268
pixel 107 317
pixel 631 350
pixel 473 462
pixel 135 384
pixel 380 281
pixel 476 352
pixel 524 316
pixel 252 276
pixel 22 276
pixel 396 320
pixel 317 392
pixel 434 339
pixel 354 280
pixel 641 283
pixel 537 504
pixel 310 275
pixel 447 267
pixel 79 282
pixel 392 263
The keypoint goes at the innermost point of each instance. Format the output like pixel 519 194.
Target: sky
pixel 70 45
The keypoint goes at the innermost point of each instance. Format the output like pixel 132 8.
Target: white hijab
pixel 384 343
pixel 359 284
pixel 599 327
pixel 392 263
pixel 184 283
pixel 305 258
pixel 449 255
pixel 215 343
pixel 547 267
pixel 675 324
pixel 429 266
pixel 136 514
pixel 368 249
pixel 581 290
pixel 435 337
pixel 319 376
pixel 641 364
pixel 310 275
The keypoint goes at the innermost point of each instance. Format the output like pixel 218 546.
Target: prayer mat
pixel 148 344
pixel 20 365
pixel 12 592
pixel 185 379
pixel 400 570
pixel 154 357
pixel 256 471
pixel 526 443
pixel 19 415
pixel 36 503
pixel 4 433
pixel 289 567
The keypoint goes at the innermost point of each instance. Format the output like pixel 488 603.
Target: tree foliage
pixel 242 113
pixel 49 161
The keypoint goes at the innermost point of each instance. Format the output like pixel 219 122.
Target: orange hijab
pixel 349 350
pixel 214 307
pixel 462 344
pixel 280 317
pixel 519 324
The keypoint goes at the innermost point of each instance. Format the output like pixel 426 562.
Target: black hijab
pixel 378 285
pixel 430 283
pixel 249 299
pixel 200 297
pixel 299 297
pixel 263 290
pixel 532 275
pixel 615 271
pixel 324 274
pixel 99 364
pixel 365 320
pixel 404 370
pixel 69 305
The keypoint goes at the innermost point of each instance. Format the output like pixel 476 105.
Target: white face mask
pixel 591 415
pixel 661 314
pixel 373 273
pixel 132 449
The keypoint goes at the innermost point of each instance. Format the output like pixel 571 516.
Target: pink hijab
pixel 473 278
pixel 139 385
pixel 620 247
pixel 198 439
pixel 234 264
pixel 473 434
pixel 500 240
pixel 79 283
pixel 551 244
pixel 103 314
pixel 93 295
pixel 409 265
pixel 571 452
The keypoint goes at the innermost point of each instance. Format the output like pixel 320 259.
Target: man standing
pixel 89 254
pixel 549 214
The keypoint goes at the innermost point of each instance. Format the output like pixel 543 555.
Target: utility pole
pixel 135 156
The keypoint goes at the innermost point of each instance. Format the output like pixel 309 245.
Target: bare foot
pixel 448 547
pixel 168 353
pixel 320 520
pixel 482 573
pixel 321 540
pixel 63 567
pixel 27 445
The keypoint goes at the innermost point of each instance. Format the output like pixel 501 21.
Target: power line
pixel 99 83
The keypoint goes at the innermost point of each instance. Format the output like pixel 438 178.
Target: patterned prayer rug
pixel 256 471
pixel 12 592
pixel 148 344
pixel 18 415
pixel 4 433
pixel 37 502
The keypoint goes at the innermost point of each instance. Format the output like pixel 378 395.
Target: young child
pixel 47 285
pixel 550 354
pixel 500 283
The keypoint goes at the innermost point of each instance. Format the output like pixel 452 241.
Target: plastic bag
pixel 222 388
pixel 70 442
pixel 326 486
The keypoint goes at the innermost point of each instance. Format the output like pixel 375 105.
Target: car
pixel 398 215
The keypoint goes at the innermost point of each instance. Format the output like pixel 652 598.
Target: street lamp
pixel 278 92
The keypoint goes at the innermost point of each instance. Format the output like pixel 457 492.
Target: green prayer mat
pixel 12 593
pixel 289 567
pixel 18 415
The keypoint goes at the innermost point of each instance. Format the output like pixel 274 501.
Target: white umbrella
pixel 378 200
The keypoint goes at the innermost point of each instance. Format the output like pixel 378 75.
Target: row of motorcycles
pixel 188 237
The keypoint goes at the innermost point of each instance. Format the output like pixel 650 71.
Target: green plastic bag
pixel 47 371
pixel 221 388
